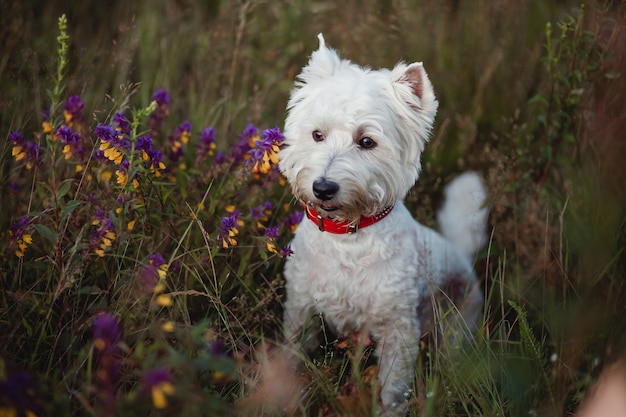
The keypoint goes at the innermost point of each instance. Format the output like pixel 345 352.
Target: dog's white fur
pixel 383 278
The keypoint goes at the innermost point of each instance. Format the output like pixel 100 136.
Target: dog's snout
pixel 324 189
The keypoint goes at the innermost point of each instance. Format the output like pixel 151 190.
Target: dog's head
pixel 354 136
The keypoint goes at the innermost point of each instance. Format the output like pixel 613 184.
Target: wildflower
pixel 220 158
pixel 73 111
pixel 164 300
pixel 162 110
pixel 107 335
pixel 168 326
pixel 122 175
pixel 71 140
pixel 285 252
pixel 122 124
pixel 229 228
pixel 207 144
pixel 240 151
pixel 158 383
pixel 45 124
pixel 113 144
pixel 264 154
pixel 292 221
pixel 152 157
pixel 271 234
pixel 107 332
pixel 155 273
pixel 23 149
pixel 261 212
pixel 181 136
pixel 159 261
pixel 17 395
pixel 19 236
pixel 103 236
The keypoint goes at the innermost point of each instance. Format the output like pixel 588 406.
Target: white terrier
pixel 354 137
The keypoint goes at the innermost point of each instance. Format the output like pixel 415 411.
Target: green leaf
pixel 69 208
pixel 64 188
pixel 569 137
pixel 538 99
pixel 46 233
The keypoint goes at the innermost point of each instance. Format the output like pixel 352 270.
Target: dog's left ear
pixel 411 83
pixel 323 63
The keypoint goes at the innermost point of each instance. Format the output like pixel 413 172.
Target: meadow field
pixel 144 222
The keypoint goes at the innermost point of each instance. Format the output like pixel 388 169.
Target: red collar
pixel 341 228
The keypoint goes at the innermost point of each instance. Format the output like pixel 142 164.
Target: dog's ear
pixel 323 63
pixel 419 94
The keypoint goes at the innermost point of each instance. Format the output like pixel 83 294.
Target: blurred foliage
pixel 531 96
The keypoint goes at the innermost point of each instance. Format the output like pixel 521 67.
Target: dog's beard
pixel 342 208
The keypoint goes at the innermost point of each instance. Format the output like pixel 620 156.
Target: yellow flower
pixel 67 151
pixel 111 152
pixel 106 175
pixel 162 271
pixel 168 326
pixel 18 152
pixel 164 300
pixel 159 392
pixel 47 127
pixel 122 179
pixel 271 246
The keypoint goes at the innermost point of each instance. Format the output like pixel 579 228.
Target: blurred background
pixel 531 95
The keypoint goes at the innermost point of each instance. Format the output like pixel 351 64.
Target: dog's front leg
pixel 298 335
pixel 397 351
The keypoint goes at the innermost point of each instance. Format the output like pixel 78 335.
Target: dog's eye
pixel 367 143
pixel 318 136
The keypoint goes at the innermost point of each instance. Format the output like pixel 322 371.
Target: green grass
pixel 530 96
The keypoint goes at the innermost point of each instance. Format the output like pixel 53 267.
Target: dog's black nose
pixel 324 189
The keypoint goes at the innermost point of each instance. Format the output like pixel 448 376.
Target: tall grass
pixel 136 279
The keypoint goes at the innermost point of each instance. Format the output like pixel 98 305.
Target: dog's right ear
pixel 322 63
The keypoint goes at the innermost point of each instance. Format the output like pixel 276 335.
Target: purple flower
pixel 161 97
pixel 161 112
pixel 144 143
pixel 123 124
pixel 264 153
pixel 73 110
pixel 207 144
pixel 24 150
pixel 229 228
pixel 292 221
pixel 158 383
pixel 261 211
pixel 19 238
pixel 285 252
pixel 67 135
pixel 217 348
pixel 105 133
pixel 220 158
pixel 71 140
pixel 112 143
pixel 157 259
pixel 239 151
pixel 19 391
pixel 271 232
pixel 154 273
pixel 107 334
pixel 103 236
pixel 181 136
pixel 154 162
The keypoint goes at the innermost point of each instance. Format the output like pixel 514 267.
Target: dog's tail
pixel 463 216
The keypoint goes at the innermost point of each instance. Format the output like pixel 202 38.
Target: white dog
pixel 354 137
